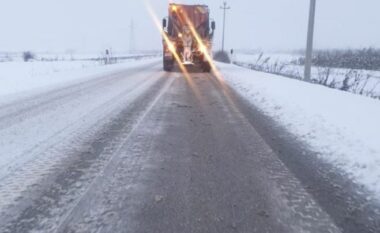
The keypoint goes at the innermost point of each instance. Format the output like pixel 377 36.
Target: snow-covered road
pixel 131 148
pixel 39 131
pixel 343 128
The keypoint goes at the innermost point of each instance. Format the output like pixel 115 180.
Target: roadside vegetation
pixel 360 59
pixel 355 71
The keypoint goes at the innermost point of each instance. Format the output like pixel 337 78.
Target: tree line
pixel 363 59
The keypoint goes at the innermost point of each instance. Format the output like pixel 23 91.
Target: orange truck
pixel 188 36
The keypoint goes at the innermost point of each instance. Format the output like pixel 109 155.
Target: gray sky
pixel 92 25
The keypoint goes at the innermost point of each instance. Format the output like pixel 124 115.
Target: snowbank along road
pixel 142 150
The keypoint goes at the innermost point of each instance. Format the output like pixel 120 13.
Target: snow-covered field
pixel 22 77
pixel 279 57
pixel 342 127
pixel 365 82
pixel 46 56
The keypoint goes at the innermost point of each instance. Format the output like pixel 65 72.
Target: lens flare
pixel 171 47
pixel 200 43
pixel 203 49
pixel 176 56
pixel 166 38
pixel 216 72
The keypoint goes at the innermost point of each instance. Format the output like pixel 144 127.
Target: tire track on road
pixel 19 110
pixel 52 168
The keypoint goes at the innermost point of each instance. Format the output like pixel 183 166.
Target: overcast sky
pixel 92 25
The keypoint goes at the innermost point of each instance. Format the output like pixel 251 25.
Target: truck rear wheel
pixel 206 67
pixel 168 66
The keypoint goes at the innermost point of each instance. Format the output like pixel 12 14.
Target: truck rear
pixel 189 36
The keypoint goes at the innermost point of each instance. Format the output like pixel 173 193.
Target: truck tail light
pixel 170 47
pixel 203 48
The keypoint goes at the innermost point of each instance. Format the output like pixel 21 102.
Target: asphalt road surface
pixel 147 151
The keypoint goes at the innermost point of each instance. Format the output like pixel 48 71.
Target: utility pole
pixel 132 37
pixel 224 8
pixel 310 37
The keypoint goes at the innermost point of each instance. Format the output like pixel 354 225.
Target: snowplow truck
pixel 188 36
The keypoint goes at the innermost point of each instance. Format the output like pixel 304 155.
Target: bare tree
pixel 27 56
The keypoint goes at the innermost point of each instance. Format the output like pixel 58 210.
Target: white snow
pixel 21 77
pixel 336 75
pixel 40 131
pixel 343 127
pixel 274 57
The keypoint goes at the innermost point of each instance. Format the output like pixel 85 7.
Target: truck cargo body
pixel 189 36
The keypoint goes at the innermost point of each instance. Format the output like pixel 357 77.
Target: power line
pixel 310 38
pixel 224 8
